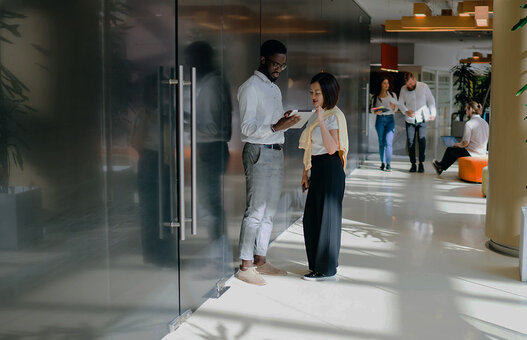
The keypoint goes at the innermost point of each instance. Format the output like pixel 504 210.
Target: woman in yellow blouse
pixel 325 141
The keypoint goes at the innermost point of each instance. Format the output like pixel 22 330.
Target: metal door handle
pixel 367 108
pixel 181 220
pixel 172 159
pixel 170 81
pixel 160 149
pixel 174 82
pixel 172 223
pixel 172 162
pixel 193 150
pixel 181 155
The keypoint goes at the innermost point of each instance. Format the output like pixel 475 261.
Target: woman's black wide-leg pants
pixel 323 214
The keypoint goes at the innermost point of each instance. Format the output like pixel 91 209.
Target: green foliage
pixel 520 91
pixel 465 78
pixel 482 88
pixel 519 25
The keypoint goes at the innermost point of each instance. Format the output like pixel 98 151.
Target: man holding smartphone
pixel 263 123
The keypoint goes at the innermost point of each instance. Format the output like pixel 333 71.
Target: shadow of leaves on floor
pixel 362 230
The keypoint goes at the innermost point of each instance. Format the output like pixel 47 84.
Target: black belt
pixel 273 146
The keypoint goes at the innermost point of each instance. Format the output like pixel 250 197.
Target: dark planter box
pixel 20 217
pixel 457 128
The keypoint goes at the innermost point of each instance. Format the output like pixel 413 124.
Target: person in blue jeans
pixel 384 104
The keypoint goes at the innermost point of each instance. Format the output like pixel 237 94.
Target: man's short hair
pixel 408 76
pixel 271 47
pixel 330 89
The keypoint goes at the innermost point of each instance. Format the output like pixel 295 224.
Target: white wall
pixel 442 56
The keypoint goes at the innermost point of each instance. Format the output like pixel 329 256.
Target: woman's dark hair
pixel 271 47
pixel 330 89
pixel 379 89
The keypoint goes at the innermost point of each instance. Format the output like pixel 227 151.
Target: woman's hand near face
pixel 320 113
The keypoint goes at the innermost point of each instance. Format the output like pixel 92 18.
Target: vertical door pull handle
pixel 181 155
pixel 160 150
pixel 194 228
pixel 367 108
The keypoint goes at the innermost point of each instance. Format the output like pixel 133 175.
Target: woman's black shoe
pixel 382 166
pixel 388 168
pixel 319 277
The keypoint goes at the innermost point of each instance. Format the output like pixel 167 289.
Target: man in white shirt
pixel 263 123
pixel 418 104
pixel 474 142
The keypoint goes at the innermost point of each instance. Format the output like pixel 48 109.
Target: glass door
pixel 205 253
pixel 439 82
pixel 85 250
pixel 141 148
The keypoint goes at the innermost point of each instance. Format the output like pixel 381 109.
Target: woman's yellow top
pixel 305 138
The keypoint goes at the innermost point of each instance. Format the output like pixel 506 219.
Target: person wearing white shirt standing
pixel 418 104
pixel 263 123
pixel 326 144
pixel 384 104
pixel 474 142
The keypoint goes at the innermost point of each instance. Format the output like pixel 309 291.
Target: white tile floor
pixel 413 265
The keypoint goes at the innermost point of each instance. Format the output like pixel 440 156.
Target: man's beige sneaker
pixel 268 269
pixel 251 276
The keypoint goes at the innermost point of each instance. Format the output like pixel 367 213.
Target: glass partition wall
pixel 440 83
pixel 121 124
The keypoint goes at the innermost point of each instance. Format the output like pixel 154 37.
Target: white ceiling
pixel 381 10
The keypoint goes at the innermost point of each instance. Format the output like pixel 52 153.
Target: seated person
pixel 474 142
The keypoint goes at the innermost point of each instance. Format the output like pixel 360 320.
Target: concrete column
pixel 508 131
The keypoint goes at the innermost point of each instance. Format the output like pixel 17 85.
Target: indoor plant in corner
pixel 19 206
pixel 464 80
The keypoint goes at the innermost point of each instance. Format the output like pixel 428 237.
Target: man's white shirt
pixel 420 100
pixel 476 134
pixel 260 107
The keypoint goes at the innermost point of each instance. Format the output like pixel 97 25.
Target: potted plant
pixel 482 90
pixel 19 206
pixel 464 80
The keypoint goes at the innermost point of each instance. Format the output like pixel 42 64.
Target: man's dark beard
pixel 411 88
pixel 265 71
pixel 271 78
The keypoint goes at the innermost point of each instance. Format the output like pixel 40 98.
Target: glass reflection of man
pixel 157 249
pixel 213 127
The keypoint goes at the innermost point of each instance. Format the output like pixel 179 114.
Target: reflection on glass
pixel 157 249
pixel 213 132
pixel 20 204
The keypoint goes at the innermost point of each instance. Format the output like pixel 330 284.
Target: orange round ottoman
pixel 471 168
